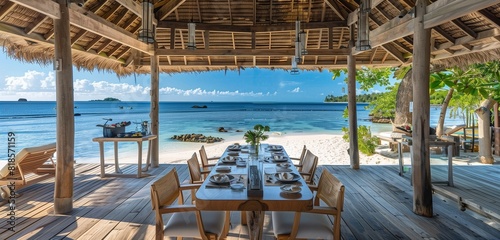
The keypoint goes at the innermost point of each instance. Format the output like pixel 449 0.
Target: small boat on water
pixel 22 100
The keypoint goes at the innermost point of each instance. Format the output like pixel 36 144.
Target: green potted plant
pixel 253 137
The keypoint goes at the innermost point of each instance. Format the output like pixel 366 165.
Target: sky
pixel 37 83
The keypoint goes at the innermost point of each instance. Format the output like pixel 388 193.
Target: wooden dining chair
pixel 308 168
pixel 205 160
pixel 299 160
pixel 185 220
pixel 315 223
pixel 195 172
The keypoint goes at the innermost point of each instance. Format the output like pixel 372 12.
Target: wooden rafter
pixel 168 8
pixel 35 24
pixel 337 9
pixel 6 9
pixel 491 18
pixel 39 39
pixel 230 12
pixel 444 34
pixel 464 27
pixel 394 52
pixel 87 20
pixel 437 14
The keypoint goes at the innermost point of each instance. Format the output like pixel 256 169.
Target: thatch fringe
pixel 466 60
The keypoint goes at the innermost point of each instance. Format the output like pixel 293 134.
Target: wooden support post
pixel 496 130
pixel 351 105
pixel 421 177
pixel 154 113
pixel 65 122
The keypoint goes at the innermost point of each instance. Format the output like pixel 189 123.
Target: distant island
pixel 359 98
pixel 108 99
pixel 22 100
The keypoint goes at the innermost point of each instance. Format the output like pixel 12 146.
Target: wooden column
pixel 351 105
pixel 496 130
pixel 65 122
pixel 421 176
pixel 154 113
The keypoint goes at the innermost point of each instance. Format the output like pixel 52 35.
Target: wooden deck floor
pixel 378 205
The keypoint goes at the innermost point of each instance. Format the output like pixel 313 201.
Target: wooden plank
pixel 46 7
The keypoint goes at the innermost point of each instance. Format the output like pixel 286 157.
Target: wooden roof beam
pixel 249 52
pixel 87 20
pixel 437 13
pixel 468 39
pixel 444 34
pixel 394 52
pixel 39 39
pixel 476 48
pixel 168 8
pixel 465 28
pixel 256 28
pixel 260 63
pixel 341 12
pixel 134 7
pixel 490 17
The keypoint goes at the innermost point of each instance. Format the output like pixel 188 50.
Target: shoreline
pixel 331 149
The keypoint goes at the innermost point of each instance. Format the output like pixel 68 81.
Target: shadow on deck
pixel 378 205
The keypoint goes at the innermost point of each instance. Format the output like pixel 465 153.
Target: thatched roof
pixel 234 34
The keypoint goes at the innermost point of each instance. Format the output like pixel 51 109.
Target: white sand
pixel 330 149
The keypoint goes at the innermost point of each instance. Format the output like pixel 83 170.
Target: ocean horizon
pixel 34 122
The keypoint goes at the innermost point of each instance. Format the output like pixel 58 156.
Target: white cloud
pixel 288 83
pixel 30 81
pixel 296 90
pixel 201 92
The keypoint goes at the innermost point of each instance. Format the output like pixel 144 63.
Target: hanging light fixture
pixel 146 34
pixel 363 41
pixel 298 57
pixel 191 36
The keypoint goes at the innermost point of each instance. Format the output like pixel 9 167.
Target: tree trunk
pixel 442 114
pixel 483 123
pixel 403 99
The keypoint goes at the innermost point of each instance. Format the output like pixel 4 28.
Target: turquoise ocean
pixel 34 123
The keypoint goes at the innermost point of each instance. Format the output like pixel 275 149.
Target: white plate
pixel 284 165
pixel 290 188
pixel 229 159
pixel 221 178
pixel 294 177
pixel 238 186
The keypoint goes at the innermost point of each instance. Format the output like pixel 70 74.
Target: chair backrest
pixel 28 160
pixel 194 169
pixel 309 165
pixel 302 154
pixel 165 190
pixel 203 156
pixel 330 191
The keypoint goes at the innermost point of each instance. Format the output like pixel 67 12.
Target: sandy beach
pixel 330 149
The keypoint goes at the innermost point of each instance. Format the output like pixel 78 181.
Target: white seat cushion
pixel 312 226
pixel 184 224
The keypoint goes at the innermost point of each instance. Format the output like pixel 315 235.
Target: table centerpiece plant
pixel 253 137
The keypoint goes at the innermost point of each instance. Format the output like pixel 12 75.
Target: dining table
pixel 253 183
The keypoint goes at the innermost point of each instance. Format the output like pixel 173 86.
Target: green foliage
pixel 359 98
pixel 385 105
pixel 367 77
pixel 366 143
pixel 257 134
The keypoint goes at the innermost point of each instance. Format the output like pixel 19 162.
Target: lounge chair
pixel 28 160
pixel 453 129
